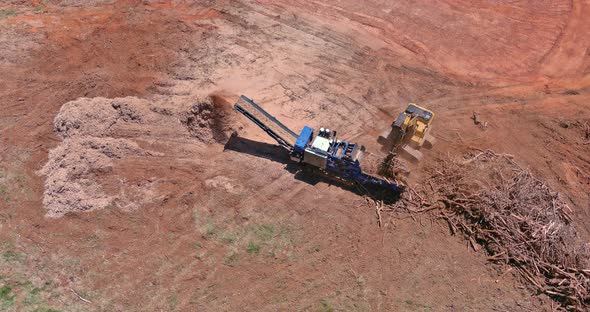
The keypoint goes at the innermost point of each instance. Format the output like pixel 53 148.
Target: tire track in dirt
pixel 491 55
pixel 567 56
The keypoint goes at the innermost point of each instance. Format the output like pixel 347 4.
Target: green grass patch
pixel 275 240
pixel 325 306
pixel 253 248
pixel 210 228
pixel 264 232
pixel 228 238
pixel 272 239
pixel 7 13
pixel 11 256
pixel 34 296
pixel 92 239
pixel 17 291
pixel 12 185
pixel 173 302
pixel 43 309
pixel 416 305
pixel 7 298
pixel 279 299
pixel 231 259
pixel 4 194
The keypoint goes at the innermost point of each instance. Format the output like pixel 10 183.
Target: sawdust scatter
pixel 71 170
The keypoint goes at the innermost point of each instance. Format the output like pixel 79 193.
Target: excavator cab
pixel 409 132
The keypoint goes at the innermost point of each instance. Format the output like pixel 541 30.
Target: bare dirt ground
pixel 121 188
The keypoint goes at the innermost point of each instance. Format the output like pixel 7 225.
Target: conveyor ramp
pixel 283 135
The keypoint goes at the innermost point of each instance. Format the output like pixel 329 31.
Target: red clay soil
pixel 226 223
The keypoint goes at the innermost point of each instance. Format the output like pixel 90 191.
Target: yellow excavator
pixel 410 132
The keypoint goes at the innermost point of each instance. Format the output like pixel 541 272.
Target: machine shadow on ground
pixel 307 174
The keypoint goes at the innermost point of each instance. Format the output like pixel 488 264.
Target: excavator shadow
pixel 301 172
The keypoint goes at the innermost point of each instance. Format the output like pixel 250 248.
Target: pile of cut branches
pixel 518 219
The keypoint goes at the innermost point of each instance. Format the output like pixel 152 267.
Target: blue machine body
pixel 303 140
pixel 324 151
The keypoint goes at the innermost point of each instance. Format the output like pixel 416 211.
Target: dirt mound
pixel 100 133
pixel 71 172
pixel 198 117
pixel 96 116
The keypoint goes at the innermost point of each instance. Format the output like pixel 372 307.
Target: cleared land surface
pixel 122 188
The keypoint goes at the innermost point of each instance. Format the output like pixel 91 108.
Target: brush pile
pixel 518 219
pixel 392 168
